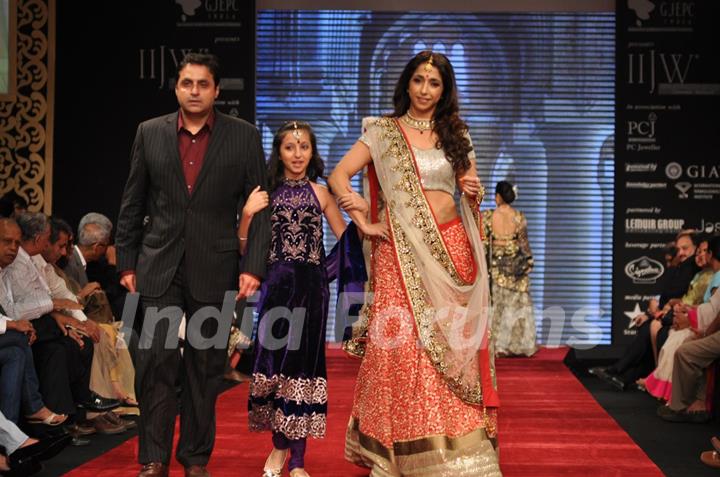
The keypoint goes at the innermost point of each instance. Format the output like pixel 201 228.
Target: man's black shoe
pixel 98 403
pixel 611 379
pixel 598 371
pixel 42 450
pixel 79 442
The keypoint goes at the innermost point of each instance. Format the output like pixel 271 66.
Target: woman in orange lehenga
pixel 425 401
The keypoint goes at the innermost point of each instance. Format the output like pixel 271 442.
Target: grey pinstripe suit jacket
pixel 202 226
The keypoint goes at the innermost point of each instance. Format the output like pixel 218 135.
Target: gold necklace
pixel 421 125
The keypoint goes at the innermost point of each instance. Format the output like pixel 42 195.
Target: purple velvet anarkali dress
pixel 288 391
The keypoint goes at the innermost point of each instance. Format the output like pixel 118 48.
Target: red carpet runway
pixel 550 426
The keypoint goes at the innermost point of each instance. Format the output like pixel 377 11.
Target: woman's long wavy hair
pixel 451 130
pixel 276 169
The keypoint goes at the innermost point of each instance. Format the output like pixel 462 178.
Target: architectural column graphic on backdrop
pixel 26 115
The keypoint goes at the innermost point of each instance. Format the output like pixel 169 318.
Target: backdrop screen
pixel 537 91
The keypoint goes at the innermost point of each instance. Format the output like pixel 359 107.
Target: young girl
pixel 288 391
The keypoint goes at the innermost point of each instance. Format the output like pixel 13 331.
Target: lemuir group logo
pixel 644 270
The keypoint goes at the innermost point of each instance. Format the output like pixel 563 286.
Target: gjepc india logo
pixel 189 7
pixel 642 9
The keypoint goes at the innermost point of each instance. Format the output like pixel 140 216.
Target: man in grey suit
pixel 177 245
pixel 92 242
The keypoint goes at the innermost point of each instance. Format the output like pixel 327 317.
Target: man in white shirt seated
pixel 63 350
pixel 18 380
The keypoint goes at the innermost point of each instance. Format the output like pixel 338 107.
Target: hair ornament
pixel 515 191
pixel 296 132
pixel 429 64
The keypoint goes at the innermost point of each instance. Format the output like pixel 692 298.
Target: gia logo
pixel 644 270
pixel 673 171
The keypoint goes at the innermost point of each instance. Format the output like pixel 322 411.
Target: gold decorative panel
pixel 26 111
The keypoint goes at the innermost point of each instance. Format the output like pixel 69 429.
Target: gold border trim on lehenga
pixel 428 455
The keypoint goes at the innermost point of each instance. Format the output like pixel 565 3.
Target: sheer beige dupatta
pixel 451 316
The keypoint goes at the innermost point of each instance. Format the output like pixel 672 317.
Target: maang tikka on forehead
pixel 296 131
pixel 429 64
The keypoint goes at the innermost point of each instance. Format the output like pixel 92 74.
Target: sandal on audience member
pixel 711 458
pixel 50 420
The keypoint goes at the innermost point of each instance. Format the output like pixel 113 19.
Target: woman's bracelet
pixel 242 238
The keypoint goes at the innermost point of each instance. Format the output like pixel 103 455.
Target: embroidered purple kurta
pixel 288 391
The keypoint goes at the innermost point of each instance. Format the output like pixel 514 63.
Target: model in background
pixel 510 263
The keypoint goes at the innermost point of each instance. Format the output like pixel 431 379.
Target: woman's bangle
pixel 242 238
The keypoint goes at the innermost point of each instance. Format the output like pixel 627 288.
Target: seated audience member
pixel 18 380
pixel 93 259
pixel 63 355
pixel 104 356
pixel 638 360
pixel 687 402
pixel 659 383
pixel 92 241
pixel 659 331
pixel 113 373
pixel 21 455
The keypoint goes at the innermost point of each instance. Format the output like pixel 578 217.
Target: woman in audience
pixel 510 263
pixel 658 383
pixel 686 323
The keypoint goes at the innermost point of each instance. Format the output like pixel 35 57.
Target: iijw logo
pixel 648 68
pixel 159 64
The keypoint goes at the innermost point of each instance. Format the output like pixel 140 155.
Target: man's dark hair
pixel 691 234
pixel 57 226
pixel 205 59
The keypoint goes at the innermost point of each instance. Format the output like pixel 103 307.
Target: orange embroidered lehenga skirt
pixel 405 419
